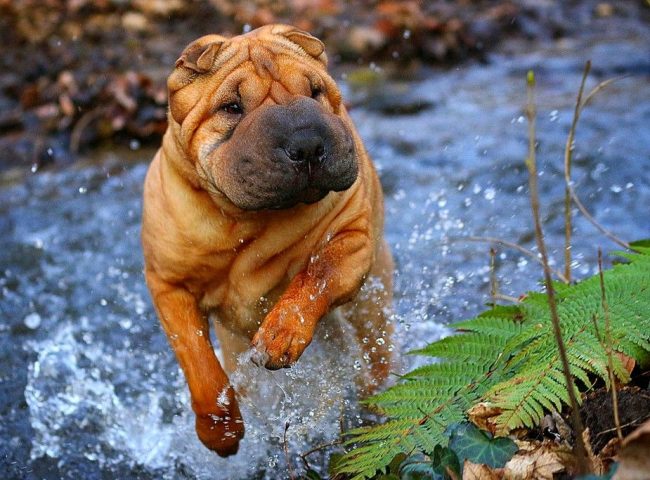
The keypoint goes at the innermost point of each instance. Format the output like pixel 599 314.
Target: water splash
pixel 75 410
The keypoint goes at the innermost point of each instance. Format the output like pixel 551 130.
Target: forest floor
pixel 75 74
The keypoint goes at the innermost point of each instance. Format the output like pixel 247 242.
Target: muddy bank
pixel 75 74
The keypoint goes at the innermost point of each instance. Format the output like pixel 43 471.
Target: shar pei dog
pixel 263 215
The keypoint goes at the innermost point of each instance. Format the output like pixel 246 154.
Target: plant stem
pixel 292 475
pixel 512 245
pixel 608 347
pixel 494 286
pixel 581 451
pixel 569 191
pixel 568 156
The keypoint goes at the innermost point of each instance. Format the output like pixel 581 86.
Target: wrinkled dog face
pixel 259 116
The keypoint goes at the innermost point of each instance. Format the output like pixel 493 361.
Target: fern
pixel 507 356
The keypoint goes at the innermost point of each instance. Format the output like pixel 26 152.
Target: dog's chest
pixel 240 314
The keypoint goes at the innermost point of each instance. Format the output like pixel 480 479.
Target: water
pixel 89 387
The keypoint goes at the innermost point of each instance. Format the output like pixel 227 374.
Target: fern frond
pixel 508 357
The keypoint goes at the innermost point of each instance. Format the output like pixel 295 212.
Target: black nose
pixel 306 146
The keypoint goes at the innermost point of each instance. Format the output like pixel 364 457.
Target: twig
pixel 494 283
pixel 515 246
pixel 608 346
pixel 317 448
pixel 581 455
pixel 80 126
pixel 507 298
pixel 494 286
pixel 568 156
pixel 636 421
pixel 292 474
pixel 569 190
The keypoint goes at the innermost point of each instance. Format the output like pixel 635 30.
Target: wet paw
pixel 219 424
pixel 281 339
pixel 220 433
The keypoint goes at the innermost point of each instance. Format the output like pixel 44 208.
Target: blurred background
pixel 88 385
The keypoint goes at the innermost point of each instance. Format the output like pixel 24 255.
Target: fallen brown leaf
pixel 634 458
pixel 475 471
pixel 482 415
pixel 538 461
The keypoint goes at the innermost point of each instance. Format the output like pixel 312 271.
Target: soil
pixel 598 416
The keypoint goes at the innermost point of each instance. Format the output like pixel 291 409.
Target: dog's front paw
pixel 218 434
pixel 220 427
pixel 281 339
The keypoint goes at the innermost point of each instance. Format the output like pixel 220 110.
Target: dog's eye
pixel 233 108
pixel 316 92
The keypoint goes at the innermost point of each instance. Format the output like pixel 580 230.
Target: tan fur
pixel 268 276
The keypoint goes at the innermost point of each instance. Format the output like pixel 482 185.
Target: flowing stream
pixel 89 387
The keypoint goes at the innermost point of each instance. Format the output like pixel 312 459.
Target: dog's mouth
pixel 308 196
pixel 285 155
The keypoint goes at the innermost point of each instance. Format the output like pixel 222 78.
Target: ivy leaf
pixel 444 465
pixel 479 447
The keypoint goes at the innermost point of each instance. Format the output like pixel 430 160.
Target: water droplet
pixel 34 168
pixel 616 188
pixel 33 320
pixel 50 152
pixel 553 116
pixel 246 28
pixel 134 144
pixel 103 302
pixel 82 190
pixel 489 194
pixel 406 34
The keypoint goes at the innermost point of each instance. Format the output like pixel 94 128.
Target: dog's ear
pixel 310 44
pixel 199 56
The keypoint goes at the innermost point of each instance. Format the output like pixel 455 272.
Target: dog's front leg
pixel 218 420
pixel 332 277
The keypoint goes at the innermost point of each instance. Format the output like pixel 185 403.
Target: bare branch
pixel 292 474
pixel 317 448
pixel 581 451
pixel 608 346
pixel 569 190
pixel 497 241
pixel 568 154
pixel 494 286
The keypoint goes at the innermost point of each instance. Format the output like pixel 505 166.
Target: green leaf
pixel 640 243
pixel 417 468
pixel 508 357
pixel 470 443
pixel 444 460
pixel 335 458
pixel 393 467
pixel 311 475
